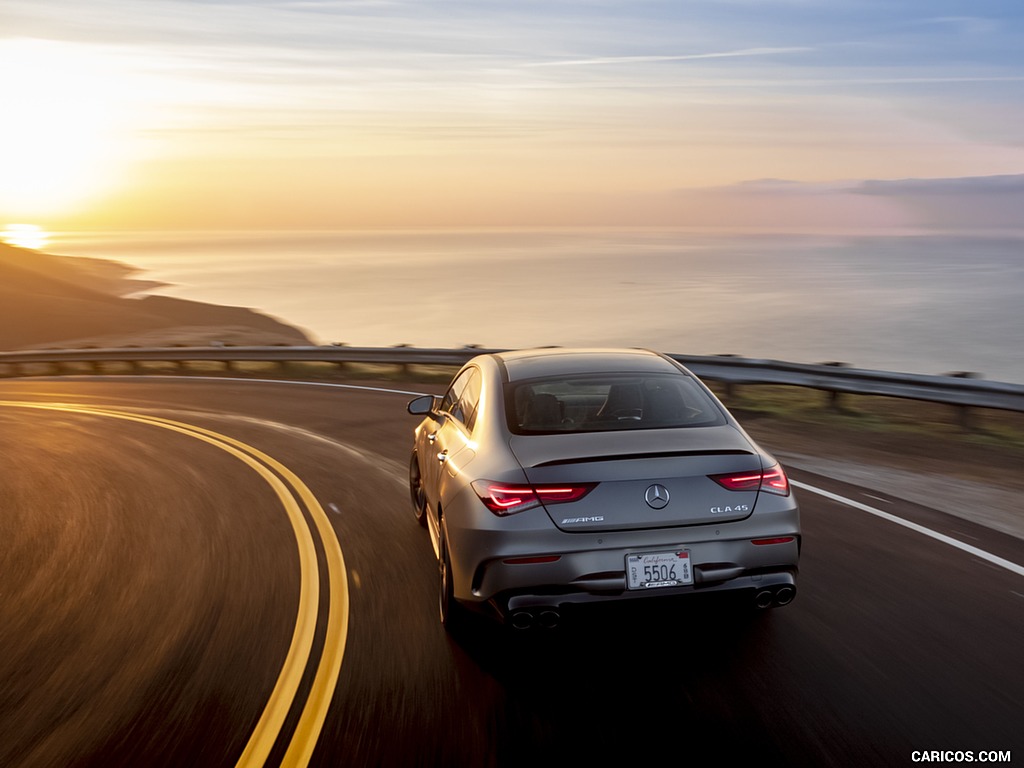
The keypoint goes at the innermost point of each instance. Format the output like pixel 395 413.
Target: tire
pixel 452 614
pixel 419 497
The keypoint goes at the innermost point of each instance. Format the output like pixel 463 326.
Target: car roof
pixel 554 361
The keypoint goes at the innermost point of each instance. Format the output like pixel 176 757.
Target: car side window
pixel 469 401
pixel 451 404
pixel 451 397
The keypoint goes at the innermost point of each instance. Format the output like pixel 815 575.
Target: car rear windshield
pixel 596 403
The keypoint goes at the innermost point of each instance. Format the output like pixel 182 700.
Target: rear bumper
pixel 505 565
pixel 600 571
pixel 548 606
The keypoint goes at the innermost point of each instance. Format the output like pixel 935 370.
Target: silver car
pixel 553 478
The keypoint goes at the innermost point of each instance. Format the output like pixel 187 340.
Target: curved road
pixel 170 598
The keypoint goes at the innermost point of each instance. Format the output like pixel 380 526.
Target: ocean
pixel 914 302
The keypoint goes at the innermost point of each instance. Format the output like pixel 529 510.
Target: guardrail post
pixel 730 387
pixel 341 365
pixel 965 415
pixel 403 368
pixel 835 401
pixel 965 418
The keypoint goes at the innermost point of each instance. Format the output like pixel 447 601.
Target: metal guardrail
pixel 953 389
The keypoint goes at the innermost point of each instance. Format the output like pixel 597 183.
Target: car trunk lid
pixel 645 478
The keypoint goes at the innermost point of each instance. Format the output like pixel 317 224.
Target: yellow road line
pixel 314 712
pixel 307 731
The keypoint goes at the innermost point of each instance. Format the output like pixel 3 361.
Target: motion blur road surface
pixel 151 588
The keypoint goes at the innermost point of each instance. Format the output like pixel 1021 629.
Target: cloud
pixel 790 188
pixel 962 186
pixel 970 25
pixel 742 53
pixel 971 186
pixel 973 203
pixel 979 202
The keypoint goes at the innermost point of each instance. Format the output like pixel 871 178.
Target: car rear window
pixel 596 403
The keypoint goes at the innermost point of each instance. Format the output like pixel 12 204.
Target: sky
pixel 338 114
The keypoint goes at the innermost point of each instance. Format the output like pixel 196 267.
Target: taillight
pixel 771 480
pixel 775 481
pixel 746 481
pixel 509 498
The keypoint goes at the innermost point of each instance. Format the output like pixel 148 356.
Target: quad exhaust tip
pixel 550 618
pixel 545 618
pixel 521 620
pixel 767 598
pixel 785 595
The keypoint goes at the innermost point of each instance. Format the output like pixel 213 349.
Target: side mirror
pixel 425 405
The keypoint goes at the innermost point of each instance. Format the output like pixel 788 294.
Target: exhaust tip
pixel 521 620
pixel 764 599
pixel 785 595
pixel 549 618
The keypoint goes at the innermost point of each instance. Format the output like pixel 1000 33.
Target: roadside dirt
pixel 953 456
pixel 973 475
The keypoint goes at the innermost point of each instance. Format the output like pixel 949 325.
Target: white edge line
pixel 286 381
pixel 308 384
pixel 232 379
pixel 987 556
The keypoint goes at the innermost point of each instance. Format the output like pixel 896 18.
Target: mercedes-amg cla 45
pixel 553 478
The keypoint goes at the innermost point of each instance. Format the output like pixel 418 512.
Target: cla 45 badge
pixel 730 510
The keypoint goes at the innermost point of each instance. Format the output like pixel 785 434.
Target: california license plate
pixel 651 570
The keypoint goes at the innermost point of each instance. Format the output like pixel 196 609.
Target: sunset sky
pixel 282 114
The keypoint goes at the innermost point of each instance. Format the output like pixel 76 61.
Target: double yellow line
pixel 286 485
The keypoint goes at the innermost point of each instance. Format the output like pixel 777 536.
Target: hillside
pixel 60 301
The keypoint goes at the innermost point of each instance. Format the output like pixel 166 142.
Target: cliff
pixel 61 301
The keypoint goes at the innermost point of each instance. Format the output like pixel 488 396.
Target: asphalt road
pixel 153 599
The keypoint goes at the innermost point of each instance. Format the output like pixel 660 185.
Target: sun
pixel 61 130
pixel 25 236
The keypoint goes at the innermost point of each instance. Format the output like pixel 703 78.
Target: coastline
pixel 48 300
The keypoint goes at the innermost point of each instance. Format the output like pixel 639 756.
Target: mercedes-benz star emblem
pixel 657 497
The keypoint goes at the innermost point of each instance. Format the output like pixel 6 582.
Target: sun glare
pixel 61 131
pixel 25 236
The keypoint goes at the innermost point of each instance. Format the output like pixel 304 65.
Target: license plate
pixel 651 570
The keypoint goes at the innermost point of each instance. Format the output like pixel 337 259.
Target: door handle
pixel 443 456
pixel 432 437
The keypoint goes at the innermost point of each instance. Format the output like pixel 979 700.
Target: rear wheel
pixel 452 614
pixel 419 497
